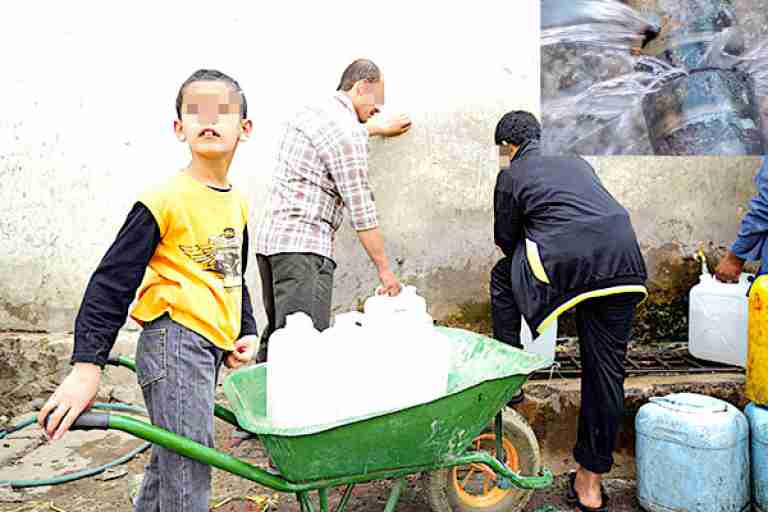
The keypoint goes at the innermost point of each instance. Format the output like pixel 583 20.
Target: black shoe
pixel 572 497
pixel 518 398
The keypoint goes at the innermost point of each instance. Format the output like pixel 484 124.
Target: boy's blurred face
pixel 210 119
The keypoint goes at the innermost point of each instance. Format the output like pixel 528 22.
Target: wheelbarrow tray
pixel 484 375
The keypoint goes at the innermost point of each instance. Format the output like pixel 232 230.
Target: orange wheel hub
pixel 476 484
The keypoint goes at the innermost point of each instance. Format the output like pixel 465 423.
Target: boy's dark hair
pixel 517 127
pixel 361 69
pixel 212 75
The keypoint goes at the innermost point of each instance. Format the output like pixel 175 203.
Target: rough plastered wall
pixel 678 205
pixel 87 114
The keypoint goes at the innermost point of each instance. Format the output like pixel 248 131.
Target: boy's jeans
pixel 177 370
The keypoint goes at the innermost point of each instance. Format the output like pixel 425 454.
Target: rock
pixel 112 474
pixel 8 495
pixel 134 486
pixel 29 369
pixel 127 395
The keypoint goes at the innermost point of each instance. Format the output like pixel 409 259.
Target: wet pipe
pixel 710 110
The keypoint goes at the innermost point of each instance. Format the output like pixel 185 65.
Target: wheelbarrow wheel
pixel 474 489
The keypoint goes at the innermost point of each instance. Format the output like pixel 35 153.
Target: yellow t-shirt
pixel 195 274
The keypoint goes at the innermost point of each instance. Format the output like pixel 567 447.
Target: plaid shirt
pixel 322 166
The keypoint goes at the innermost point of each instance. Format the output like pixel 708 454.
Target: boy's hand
pixel 245 348
pixel 729 269
pixel 388 126
pixel 72 397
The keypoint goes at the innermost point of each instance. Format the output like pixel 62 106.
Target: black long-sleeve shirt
pixel 113 286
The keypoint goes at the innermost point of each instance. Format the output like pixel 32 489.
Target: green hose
pixel 77 475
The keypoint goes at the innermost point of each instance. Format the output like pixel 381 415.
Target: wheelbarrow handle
pixel 541 481
pixel 91 421
pixel 509 477
pixel 124 361
pixel 88 420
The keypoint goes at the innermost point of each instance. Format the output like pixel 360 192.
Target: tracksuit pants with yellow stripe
pixel 604 327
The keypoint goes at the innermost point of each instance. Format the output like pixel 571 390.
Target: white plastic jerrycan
pixel 717 320
pixel 344 356
pixel 413 358
pixel 293 384
pixel 543 345
pixel 407 301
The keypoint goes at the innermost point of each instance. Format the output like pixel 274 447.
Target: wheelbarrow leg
pixel 323 494
pixel 342 506
pixel 304 502
pixel 501 455
pixel 394 496
pixel 498 428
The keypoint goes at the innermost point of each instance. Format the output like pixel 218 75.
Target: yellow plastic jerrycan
pixel 757 351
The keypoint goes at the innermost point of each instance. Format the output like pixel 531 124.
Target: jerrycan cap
pixel 299 320
pixel 690 403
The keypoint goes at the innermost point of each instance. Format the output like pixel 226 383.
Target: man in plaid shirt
pixel 322 167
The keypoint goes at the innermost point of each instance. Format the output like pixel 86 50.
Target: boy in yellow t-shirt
pixel 184 248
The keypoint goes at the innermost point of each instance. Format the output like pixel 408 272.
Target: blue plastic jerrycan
pixel 692 454
pixel 757 415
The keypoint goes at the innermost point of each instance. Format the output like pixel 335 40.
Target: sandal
pixel 572 497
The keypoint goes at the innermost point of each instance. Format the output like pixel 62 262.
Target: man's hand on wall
pixel 388 126
pixel 729 269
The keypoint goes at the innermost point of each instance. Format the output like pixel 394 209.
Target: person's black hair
pixel 212 75
pixel 517 127
pixel 361 69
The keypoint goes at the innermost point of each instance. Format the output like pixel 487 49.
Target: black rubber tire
pixel 440 491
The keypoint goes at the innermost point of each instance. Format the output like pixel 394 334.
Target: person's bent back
pixel 568 244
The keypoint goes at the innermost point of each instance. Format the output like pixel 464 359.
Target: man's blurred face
pixel 506 152
pixel 369 98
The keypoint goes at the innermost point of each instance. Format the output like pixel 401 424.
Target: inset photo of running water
pixel 654 77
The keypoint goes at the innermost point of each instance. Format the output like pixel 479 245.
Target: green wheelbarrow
pixel 472 456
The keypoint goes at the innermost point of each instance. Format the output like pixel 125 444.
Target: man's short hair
pixel 212 75
pixel 361 69
pixel 516 128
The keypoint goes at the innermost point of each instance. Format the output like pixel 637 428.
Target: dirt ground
pixel 95 494
pixel 25 455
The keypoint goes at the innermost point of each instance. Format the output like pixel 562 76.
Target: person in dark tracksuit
pixel 567 243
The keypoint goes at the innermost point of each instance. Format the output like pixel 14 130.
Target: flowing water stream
pixel 675 79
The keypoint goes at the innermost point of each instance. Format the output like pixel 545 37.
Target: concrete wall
pixel 680 204
pixel 86 124
pixel 87 110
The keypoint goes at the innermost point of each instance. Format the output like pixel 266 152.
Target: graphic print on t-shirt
pixel 221 255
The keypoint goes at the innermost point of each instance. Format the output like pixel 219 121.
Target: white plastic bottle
pixel 412 358
pixel 342 356
pixel 544 344
pixel 292 373
pixel 717 320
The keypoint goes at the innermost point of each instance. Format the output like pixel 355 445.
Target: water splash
pixel 598 90
pixel 595 22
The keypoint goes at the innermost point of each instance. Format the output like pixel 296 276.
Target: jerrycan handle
pixel 403 289
pixel 669 403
